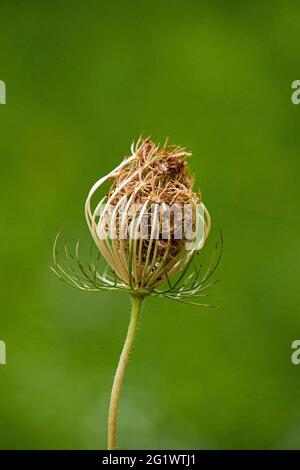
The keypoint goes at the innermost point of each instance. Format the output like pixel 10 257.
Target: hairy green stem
pixel 118 380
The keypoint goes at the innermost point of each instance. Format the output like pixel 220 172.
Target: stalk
pixel 118 380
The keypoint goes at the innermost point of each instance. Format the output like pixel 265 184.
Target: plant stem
pixel 117 384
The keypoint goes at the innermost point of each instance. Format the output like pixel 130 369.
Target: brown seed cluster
pixel 155 176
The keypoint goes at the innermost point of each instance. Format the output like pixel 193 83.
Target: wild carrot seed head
pixel 149 189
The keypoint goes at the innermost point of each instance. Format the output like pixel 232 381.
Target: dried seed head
pixel 149 216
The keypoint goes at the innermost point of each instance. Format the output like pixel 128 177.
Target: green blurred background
pixel 85 78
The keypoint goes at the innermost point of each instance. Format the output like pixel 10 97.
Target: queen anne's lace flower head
pixel 148 226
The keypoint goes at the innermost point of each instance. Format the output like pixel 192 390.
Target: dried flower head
pixel 144 207
pixel 148 227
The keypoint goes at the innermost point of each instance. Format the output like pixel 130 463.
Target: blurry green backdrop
pixel 85 78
